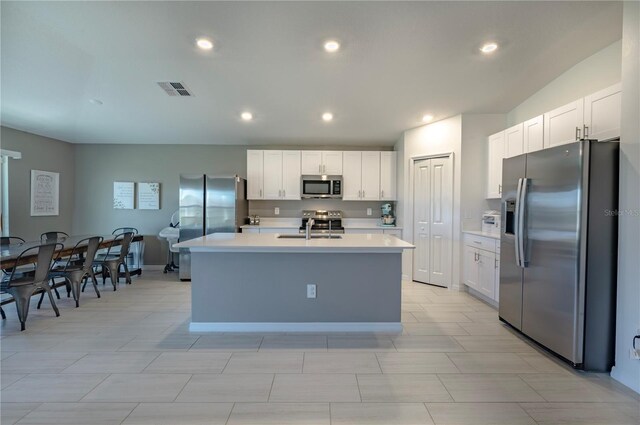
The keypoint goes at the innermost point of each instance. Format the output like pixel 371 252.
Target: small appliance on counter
pixel 387 219
pixel 254 220
pixel 491 222
pixel 323 221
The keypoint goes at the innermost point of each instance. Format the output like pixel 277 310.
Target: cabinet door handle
pixel 382 193
pixel 577 133
pixel 261 193
pixel 499 188
pixel 363 194
pixel 284 193
pixel 585 131
pixel 495 263
pixel 319 168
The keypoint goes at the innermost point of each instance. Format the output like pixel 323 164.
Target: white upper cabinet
pixel 602 113
pixel 352 176
pixel 514 141
pixel 291 175
pixel 533 134
pixel 311 162
pixel 388 176
pixel 322 162
pixel 273 174
pixel 370 176
pixel 564 124
pixel 332 163
pixel 255 171
pixel 494 165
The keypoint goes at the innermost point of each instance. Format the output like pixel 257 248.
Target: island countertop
pixel 260 242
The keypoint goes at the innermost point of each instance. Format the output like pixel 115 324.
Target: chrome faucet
pixel 310 223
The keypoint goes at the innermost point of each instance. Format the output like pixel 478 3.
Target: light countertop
pixel 261 242
pixel 481 233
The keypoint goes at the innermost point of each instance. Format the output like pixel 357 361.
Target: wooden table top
pixel 9 253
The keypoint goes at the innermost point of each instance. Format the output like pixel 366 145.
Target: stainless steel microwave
pixel 314 187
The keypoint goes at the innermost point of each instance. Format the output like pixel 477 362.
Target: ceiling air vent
pixel 175 89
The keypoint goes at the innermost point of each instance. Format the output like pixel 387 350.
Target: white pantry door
pixel 433 221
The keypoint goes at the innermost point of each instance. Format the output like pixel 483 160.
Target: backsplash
pixel 350 209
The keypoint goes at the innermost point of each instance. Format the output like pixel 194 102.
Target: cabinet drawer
pixel 480 242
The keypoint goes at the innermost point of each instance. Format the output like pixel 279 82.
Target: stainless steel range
pixel 323 221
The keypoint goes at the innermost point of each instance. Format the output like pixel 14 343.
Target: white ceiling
pixel 398 61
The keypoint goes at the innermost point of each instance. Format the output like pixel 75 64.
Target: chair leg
pixel 40 300
pixel 22 296
pixel 56 291
pixel 127 276
pixel 4 316
pixel 113 275
pixel 94 281
pixel 75 289
pixel 53 302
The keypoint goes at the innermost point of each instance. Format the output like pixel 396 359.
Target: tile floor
pixel 128 358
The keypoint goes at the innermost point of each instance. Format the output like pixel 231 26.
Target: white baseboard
pixel 382 327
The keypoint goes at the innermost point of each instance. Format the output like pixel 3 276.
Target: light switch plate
pixel 276 211
pixel 369 212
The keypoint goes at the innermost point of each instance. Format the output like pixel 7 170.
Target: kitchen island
pixel 261 283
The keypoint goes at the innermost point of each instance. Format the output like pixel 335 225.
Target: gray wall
pixel 98 166
pixel 598 71
pixel 627 370
pixel 475 130
pixel 38 153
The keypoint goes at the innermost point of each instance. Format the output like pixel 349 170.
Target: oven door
pixel 317 187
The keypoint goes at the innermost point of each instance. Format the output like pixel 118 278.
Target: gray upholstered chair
pixel 75 271
pixel 22 288
pixel 110 263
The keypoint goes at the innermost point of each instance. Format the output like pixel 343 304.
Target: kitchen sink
pixel 300 236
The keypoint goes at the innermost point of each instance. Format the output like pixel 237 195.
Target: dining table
pixel 9 253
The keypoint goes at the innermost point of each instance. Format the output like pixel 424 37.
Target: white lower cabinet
pixel 481 265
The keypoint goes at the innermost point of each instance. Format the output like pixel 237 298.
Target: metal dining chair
pixel 53 237
pixel 11 240
pixel 75 271
pixel 21 288
pixel 110 264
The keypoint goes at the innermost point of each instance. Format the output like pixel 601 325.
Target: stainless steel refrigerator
pixel 559 250
pixel 209 204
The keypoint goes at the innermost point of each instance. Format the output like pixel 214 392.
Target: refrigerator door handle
pixel 516 227
pixel 521 222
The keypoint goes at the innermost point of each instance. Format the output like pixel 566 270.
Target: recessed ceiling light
pixel 489 47
pixel 95 101
pixel 246 116
pixel 204 43
pixel 327 116
pixel 427 118
pixel 331 46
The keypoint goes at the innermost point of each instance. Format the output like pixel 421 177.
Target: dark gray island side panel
pixel 272 287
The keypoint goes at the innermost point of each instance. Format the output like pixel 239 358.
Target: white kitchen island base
pixel 245 287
